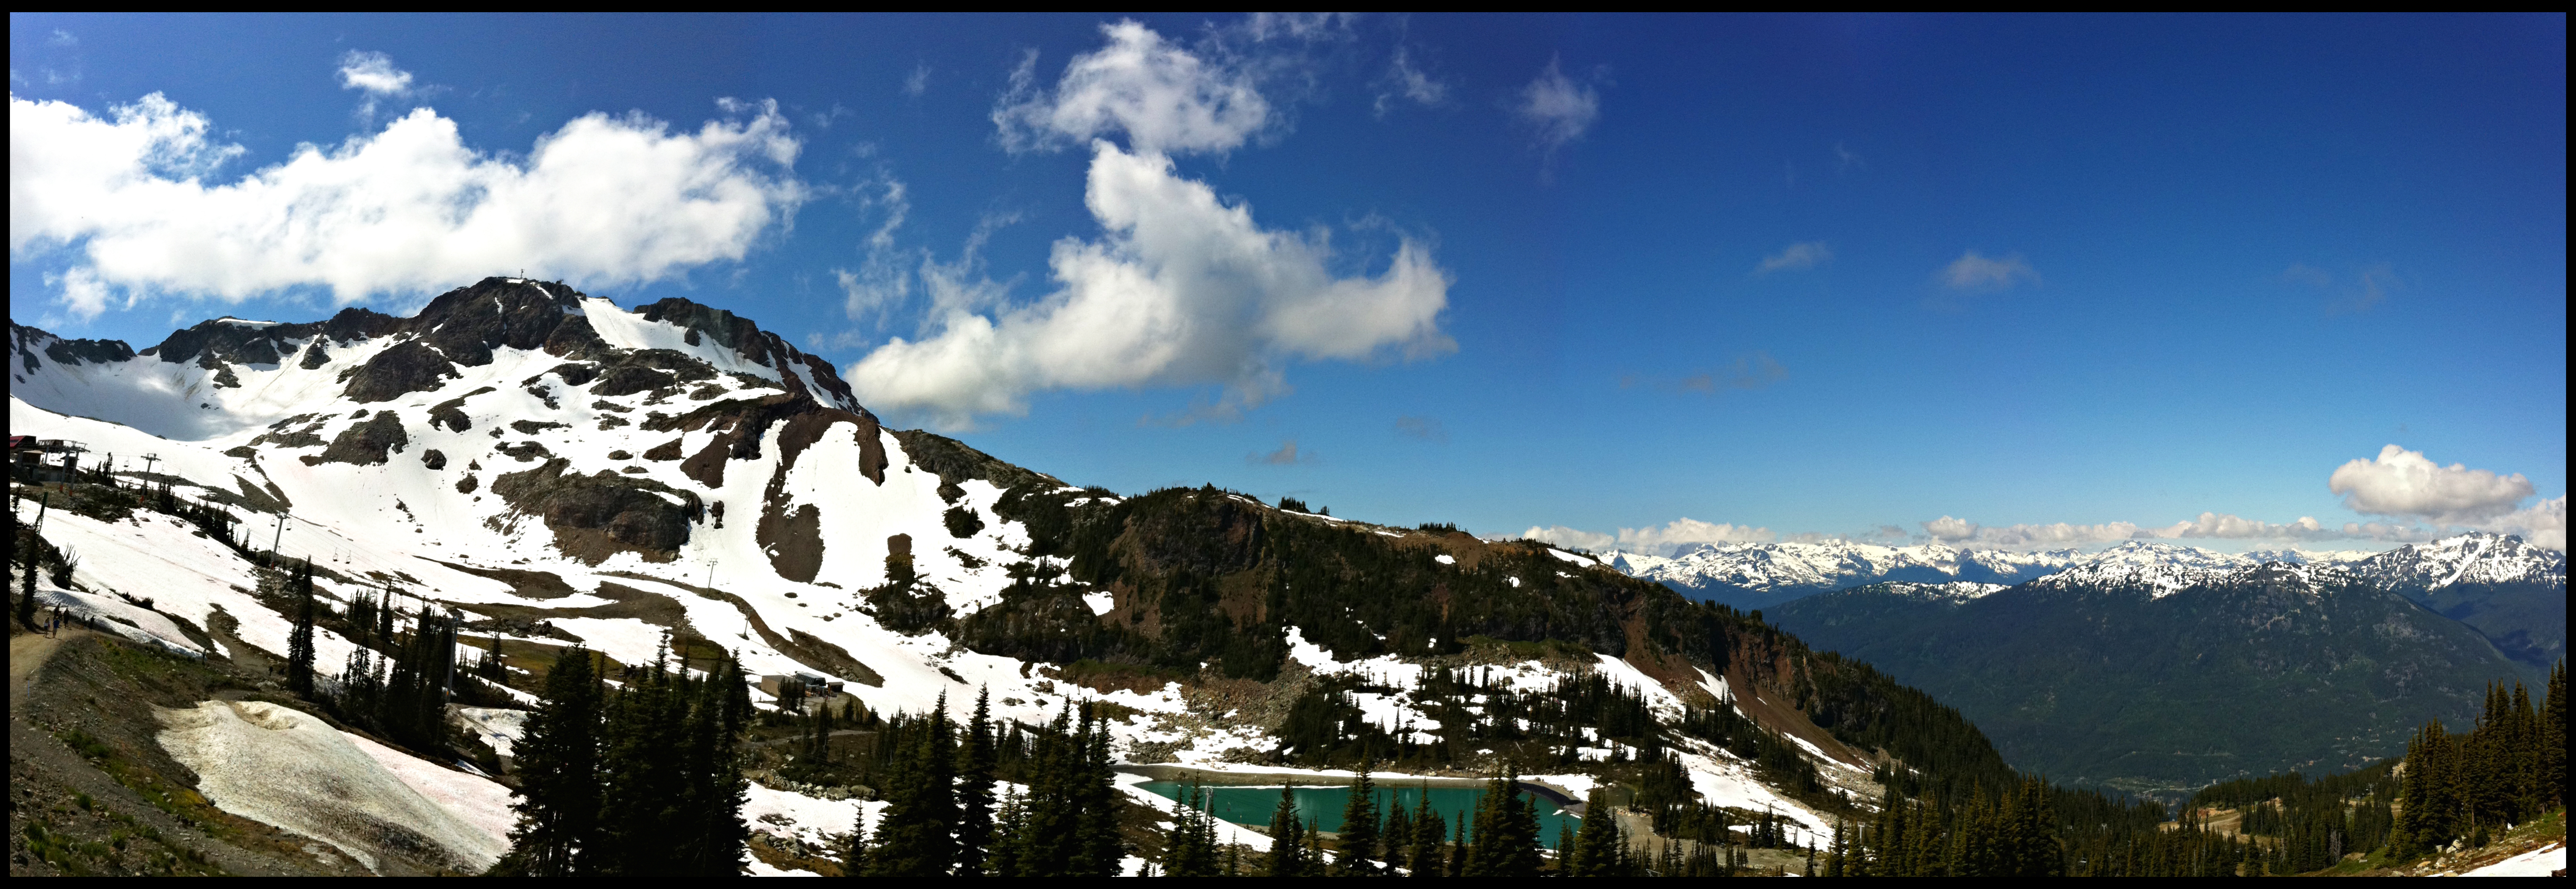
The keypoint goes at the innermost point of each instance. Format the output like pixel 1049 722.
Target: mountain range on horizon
pixel 561 470
pixel 2158 678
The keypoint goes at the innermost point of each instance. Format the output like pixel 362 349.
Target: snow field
pixel 280 767
pixel 2535 863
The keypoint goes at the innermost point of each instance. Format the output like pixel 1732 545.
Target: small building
pixel 799 684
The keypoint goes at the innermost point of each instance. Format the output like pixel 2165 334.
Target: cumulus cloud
pixel 2543 524
pixel 2208 526
pixel 374 73
pixel 606 200
pixel 1975 272
pixel 1680 534
pixel 1797 257
pixel 1183 289
pixel 1163 97
pixel 1558 109
pixel 1947 529
pixel 2401 482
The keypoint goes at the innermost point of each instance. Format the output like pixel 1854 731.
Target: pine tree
pixel 1359 827
pixel 27 581
pixel 1835 863
pixel 1596 848
pixel 1192 851
pixel 917 838
pixel 558 766
pixel 714 837
pixel 647 787
pixel 299 641
pixel 1428 849
pixel 1506 842
pixel 975 764
pixel 1100 851
pixel 1287 854
pixel 2552 739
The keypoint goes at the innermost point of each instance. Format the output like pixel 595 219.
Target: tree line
pixel 643 779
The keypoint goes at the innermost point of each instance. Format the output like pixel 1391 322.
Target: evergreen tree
pixel 714 837
pixel 917 838
pixel 1100 850
pixel 1192 850
pixel 647 787
pixel 1396 835
pixel 1287 856
pixel 1042 842
pixel 1596 849
pixel 299 641
pixel 1506 843
pixel 975 764
pixel 1359 827
pixel 559 788
pixel 1427 851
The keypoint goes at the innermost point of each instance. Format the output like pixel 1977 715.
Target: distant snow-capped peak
pixel 1833 564
pixel 2475 557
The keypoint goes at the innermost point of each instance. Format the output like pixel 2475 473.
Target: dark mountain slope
pixel 2121 682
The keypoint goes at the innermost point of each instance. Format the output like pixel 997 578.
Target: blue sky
pixel 1988 280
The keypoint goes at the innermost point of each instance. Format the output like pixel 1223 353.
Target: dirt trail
pixel 28 651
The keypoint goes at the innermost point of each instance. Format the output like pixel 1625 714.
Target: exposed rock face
pixel 451 413
pixel 467 323
pixel 747 339
pixel 597 516
pixel 411 366
pixel 28 341
pixel 365 444
pixel 645 370
pixel 223 342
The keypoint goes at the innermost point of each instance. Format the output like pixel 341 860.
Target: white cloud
pixel 1164 98
pixel 2404 483
pixel 1286 455
pixel 1797 257
pixel 884 277
pixel 373 72
pixel 605 200
pixel 1573 538
pixel 1182 289
pixel 1974 272
pixel 917 82
pixel 2208 526
pixel 1966 533
pixel 1403 80
pixel 2543 524
pixel 1680 534
pixel 1558 108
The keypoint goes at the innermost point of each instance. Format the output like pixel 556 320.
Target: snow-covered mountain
pixel 1756 575
pixel 2157 668
pixel 557 468
pixel 2477 557
pixel 2512 591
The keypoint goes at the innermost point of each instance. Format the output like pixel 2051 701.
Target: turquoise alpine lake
pixel 1321 805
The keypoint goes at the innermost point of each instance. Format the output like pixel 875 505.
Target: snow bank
pixel 2535 863
pixel 476 800
pixel 277 766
